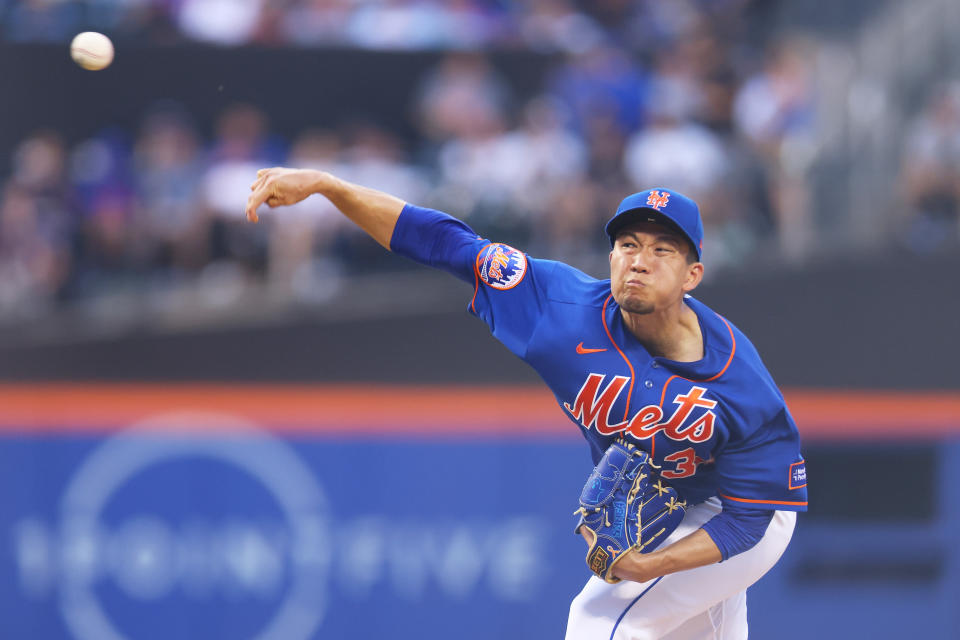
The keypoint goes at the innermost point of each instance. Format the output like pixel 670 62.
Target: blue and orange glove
pixel 625 505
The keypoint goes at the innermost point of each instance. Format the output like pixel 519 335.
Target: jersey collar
pixel 719 343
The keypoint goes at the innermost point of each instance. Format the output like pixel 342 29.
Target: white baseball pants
pixel 706 603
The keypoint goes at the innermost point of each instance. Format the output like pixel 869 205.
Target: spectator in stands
pixel 540 156
pixel 315 22
pixel 931 171
pixel 300 265
pixel 223 22
pixel 411 24
pixel 774 112
pixel 35 228
pixel 601 122
pixel 168 168
pixel 557 25
pixel 462 108
pixel 565 222
pixel 40 20
pixel 243 144
pixel 460 96
pixel 601 79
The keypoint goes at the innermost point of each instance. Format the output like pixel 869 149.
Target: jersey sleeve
pixel 437 240
pixel 735 529
pixel 765 470
pixel 509 288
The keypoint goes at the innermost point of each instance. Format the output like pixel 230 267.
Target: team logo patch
pixel 657 199
pixel 501 266
pixel 798 475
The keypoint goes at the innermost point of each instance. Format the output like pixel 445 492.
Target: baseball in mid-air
pixel 91 50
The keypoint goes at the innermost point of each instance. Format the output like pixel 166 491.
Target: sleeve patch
pixel 501 266
pixel 798 475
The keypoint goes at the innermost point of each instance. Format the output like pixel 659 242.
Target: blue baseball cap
pixel 662 206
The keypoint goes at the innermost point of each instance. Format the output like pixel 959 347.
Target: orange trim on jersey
pixel 476 287
pixel 733 350
pixel 663 396
pixel 603 317
pixel 476 276
pixel 783 502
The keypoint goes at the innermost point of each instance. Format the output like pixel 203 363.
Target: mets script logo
pixel 657 199
pixel 592 408
pixel 501 266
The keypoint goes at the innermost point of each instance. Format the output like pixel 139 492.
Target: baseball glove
pixel 625 505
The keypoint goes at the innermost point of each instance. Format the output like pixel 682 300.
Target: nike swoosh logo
pixel 583 351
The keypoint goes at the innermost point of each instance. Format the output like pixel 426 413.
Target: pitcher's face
pixel 651 268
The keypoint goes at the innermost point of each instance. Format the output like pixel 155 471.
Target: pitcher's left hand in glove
pixel 625 505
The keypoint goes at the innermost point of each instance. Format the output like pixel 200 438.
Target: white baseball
pixel 92 50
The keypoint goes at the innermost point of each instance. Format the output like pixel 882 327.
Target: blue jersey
pixel 717 427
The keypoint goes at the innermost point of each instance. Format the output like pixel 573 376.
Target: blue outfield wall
pixel 210 527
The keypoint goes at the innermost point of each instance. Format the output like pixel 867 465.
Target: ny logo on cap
pixel 657 199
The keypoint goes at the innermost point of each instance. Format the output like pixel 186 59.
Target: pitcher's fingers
pixel 256 198
pixel 266 173
pixel 262 176
pixel 251 212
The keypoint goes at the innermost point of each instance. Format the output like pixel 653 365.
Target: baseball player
pixel 634 357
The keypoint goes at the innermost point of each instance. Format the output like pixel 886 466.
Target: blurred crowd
pixel 931 172
pixel 542 25
pixel 682 94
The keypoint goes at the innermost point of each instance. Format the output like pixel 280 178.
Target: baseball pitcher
pixel 698 473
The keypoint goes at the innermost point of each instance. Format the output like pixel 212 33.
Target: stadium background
pixel 213 429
